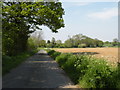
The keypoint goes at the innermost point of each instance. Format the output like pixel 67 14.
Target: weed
pixel 11 62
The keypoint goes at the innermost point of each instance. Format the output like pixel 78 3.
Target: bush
pixel 88 71
pixel 116 77
pixel 70 68
pixel 62 58
pixel 50 52
pixel 82 64
pixel 69 64
pixel 98 75
pixel 55 54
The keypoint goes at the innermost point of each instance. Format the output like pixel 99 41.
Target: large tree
pixel 22 18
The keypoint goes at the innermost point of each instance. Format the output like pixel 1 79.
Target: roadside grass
pixel 10 62
pixel 88 71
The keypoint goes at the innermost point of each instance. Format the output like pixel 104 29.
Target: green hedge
pixel 96 75
pixel 87 71
pixel 55 54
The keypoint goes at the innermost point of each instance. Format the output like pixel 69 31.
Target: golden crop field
pixel 110 54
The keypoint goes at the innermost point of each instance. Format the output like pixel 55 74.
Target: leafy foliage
pixel 31 44
pixel 62 59
pixel 50 52
pixel 98 75
pixel 22 18
pixel 82 46
pixel 88 71
pixel 76 41
pixel 55 54
pixel 70 68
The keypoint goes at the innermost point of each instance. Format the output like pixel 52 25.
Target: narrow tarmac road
pixel 38 71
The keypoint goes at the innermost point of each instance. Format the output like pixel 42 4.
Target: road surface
pixel 38 71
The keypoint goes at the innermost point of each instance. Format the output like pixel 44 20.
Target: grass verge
pixel 9 63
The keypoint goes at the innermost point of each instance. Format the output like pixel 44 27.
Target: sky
pixel 93 19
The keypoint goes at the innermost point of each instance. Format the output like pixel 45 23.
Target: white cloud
pixel 105 14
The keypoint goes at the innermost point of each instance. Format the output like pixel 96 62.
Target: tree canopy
pixel 19 19
pixel 80 40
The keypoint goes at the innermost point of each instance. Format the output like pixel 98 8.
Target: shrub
pixel 98 75
pixel 55 54
pixel 69 64
pixel 50 52
pixel 88 71
pixel 62 59
pixel 82 64
pixel 70 68
pixel 116 77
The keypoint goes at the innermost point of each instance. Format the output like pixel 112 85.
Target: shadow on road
pixel 38 71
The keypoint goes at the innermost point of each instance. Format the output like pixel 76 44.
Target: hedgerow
pixel 87 71
pixel 55 54
pixel 61 59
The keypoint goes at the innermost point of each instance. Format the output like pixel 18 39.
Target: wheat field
pixel 109 54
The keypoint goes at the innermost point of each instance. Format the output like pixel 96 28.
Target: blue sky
pixel 94 19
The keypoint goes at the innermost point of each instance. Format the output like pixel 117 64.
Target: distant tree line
pixel 78 41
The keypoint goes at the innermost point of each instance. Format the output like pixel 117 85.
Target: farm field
pixel 110 54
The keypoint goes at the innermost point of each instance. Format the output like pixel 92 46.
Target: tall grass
pixel 88 71
pixel 10 62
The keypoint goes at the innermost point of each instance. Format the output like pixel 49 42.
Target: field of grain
pixel 110 54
